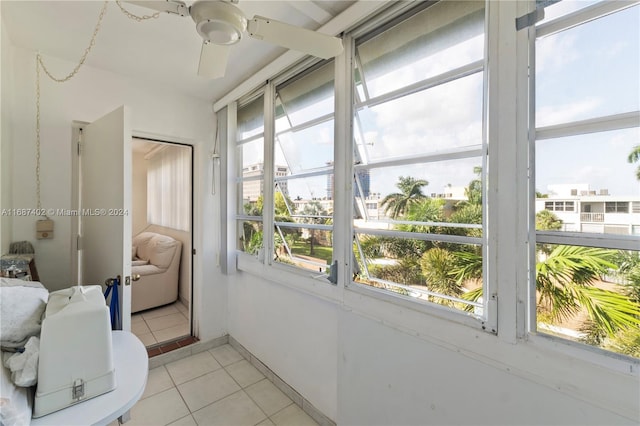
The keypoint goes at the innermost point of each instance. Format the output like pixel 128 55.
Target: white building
pixel 584 210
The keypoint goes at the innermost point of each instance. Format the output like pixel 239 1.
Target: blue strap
pixel 114 305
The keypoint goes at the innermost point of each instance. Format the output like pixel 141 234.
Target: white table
pixel 132 366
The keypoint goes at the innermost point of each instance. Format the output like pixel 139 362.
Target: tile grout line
pixel 306 406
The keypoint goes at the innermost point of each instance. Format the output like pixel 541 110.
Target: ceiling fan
pixel 220 24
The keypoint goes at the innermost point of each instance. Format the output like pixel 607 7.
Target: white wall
pixel 365 361
pixel 92 93
pixel 390 377
pixel 6 121
pixel 293 333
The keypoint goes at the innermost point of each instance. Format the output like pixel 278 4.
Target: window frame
pixel 509 230
pixel 239 180
pixel 488 322
pixel 604 123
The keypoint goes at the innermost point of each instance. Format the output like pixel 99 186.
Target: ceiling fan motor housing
pixel 218 22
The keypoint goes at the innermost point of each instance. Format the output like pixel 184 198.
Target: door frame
pixel 196 242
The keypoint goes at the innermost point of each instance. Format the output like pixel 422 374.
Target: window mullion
pixel 268 211
pixel 228 188
pixel 502 130
pixel 343 161
pixel 527 96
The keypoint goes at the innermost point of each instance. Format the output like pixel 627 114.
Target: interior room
pixel 436 258
pixel 161 205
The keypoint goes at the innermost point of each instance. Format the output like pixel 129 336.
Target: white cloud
pixel 555 52
pixel 566 113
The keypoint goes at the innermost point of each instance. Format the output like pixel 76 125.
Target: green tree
pixel 282 205
pixel 398 203
pixel 565 280
pixel 313 212
pixel 473 191
pixel 437 265
pixel 634 157
pixel 547 221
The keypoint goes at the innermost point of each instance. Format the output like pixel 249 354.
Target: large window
pixel 303 170
pixel 587 92
pixel 250 175
pixel 455 182
pixel 420 162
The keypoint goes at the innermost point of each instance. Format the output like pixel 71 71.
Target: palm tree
pixel 634 157
pixel 547 221
pixel 313 212
pixel 473 192
pixel 565 281
pixel 436 265
pixel 398 203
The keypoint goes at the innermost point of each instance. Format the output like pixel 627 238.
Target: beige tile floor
pixel 161 324
pixel 215 387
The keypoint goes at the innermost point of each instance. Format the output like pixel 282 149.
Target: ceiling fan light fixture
pixel 219 32
pixel 218 22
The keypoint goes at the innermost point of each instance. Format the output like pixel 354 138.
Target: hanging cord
pixel 136 17
pixel 83 58
pixel 40 64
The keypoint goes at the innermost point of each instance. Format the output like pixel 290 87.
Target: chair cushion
pixel 146 270
pixel 156 249
pixel 139 262
pixel 141 241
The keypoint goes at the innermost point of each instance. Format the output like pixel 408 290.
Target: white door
pixel 105 205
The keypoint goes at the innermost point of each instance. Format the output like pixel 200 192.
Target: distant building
pixel 364 179
pixel 253 189
pixel 582 209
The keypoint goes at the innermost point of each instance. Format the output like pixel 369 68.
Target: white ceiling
pixel 164 51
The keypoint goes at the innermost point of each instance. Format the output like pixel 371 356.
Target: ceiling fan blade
pixel 296 38
pixel 213 60
pixel 170 6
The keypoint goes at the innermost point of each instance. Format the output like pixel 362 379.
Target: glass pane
pixel 304 190
pixel 591 172
pixel 565 7
pixel 441 38
pixel 590 295
pixel 307 149
pixel 250 196
pixel 431 192
pixel 251 119
pixel 249 236
pixel 590 70
pixel 305 248
pixel 308 97
pixel 443 273
pixel 251 156
pixel 444 117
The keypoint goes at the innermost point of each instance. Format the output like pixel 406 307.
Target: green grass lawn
pixel 321 252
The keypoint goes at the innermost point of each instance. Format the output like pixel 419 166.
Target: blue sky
pixel 589 71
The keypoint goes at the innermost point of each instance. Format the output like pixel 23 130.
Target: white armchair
pixel 156 258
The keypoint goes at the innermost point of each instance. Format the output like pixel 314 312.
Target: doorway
pixel 162 209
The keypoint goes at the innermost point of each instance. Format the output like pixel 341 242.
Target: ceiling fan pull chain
pixel 84 55
pixel 40 64
pixel 136 17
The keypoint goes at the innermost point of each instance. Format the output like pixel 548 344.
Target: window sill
pixel 296 279
pixel 590 354
pixel 422 307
